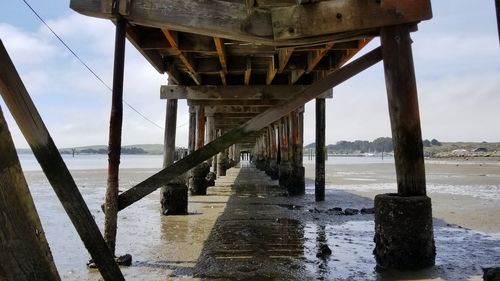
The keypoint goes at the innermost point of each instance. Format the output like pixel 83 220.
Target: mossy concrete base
pixel 404 238
pixel 197 181
pixel 174 199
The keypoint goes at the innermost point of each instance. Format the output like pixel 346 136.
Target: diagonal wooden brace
pixel 260 121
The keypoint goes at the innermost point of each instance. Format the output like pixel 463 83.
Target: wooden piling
pixel 296 183
pixel 403 110
pixel 30 123
pixel 115 137
pixel 25 254
pixel 319 182
pixel 192 129
pixel 497 6
pixel 200 127
pixel 173 195
pixel 404 238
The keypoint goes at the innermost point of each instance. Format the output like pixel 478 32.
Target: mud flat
pixel 253 231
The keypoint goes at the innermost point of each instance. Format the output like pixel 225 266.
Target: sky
pixel 456 55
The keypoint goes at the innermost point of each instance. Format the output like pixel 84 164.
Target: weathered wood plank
pixel 277 92
pixel 403 110
pixel 345 15
pixel 212 18
pixel 221 52
pixel 154 58
pixel 235 102
pixel 30 123
pixel 25 253
pixel 255 124
pixel 284 55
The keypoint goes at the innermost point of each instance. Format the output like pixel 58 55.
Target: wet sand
pixel 253 232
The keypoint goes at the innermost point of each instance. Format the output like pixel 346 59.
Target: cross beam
pixel 276 26
pixel 255 124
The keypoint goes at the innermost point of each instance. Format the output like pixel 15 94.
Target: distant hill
pixel 153 149
pixel 432 148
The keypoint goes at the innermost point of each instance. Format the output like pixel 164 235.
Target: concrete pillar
pixel 174 195
pixel 403 222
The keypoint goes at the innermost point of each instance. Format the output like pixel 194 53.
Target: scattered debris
pixel 351 212
pixel 125 260
pixel 366 211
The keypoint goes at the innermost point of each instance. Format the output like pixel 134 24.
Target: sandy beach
pixel 254 232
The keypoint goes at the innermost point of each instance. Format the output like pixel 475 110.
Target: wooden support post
pixel 403 110
pixel 284 167
pixel 319 182
pixel 273 165
pixel 30 123
pixel 497 5
pixel 198 184
pixel 296 184
pixel 404 238
pixel 250 127
pixel 115 137
pixel 210 137
pixel 173 195
pixel 200 126
pixel 192 129
pixel 25 254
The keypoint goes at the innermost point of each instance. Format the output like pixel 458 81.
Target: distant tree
pixel 435 142
pixel 427 143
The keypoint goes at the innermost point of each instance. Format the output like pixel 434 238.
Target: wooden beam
pixel 257 123
pixel 314 57
pixel 25 253
pixel 331 17
pixel 212 18
pixel 221 52
pixel 171 38
pixel 271 72
pixel 248 70
pixel 253 103
pixel 30 123
pixel 261 92
pixel 284 55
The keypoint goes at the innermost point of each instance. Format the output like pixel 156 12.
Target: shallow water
pixel 252 232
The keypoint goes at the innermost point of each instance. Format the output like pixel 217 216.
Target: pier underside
pixel 246 69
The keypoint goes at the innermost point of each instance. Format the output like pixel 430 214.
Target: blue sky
pixel 457 61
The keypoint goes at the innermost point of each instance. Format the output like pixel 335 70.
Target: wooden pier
pixel 246 69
